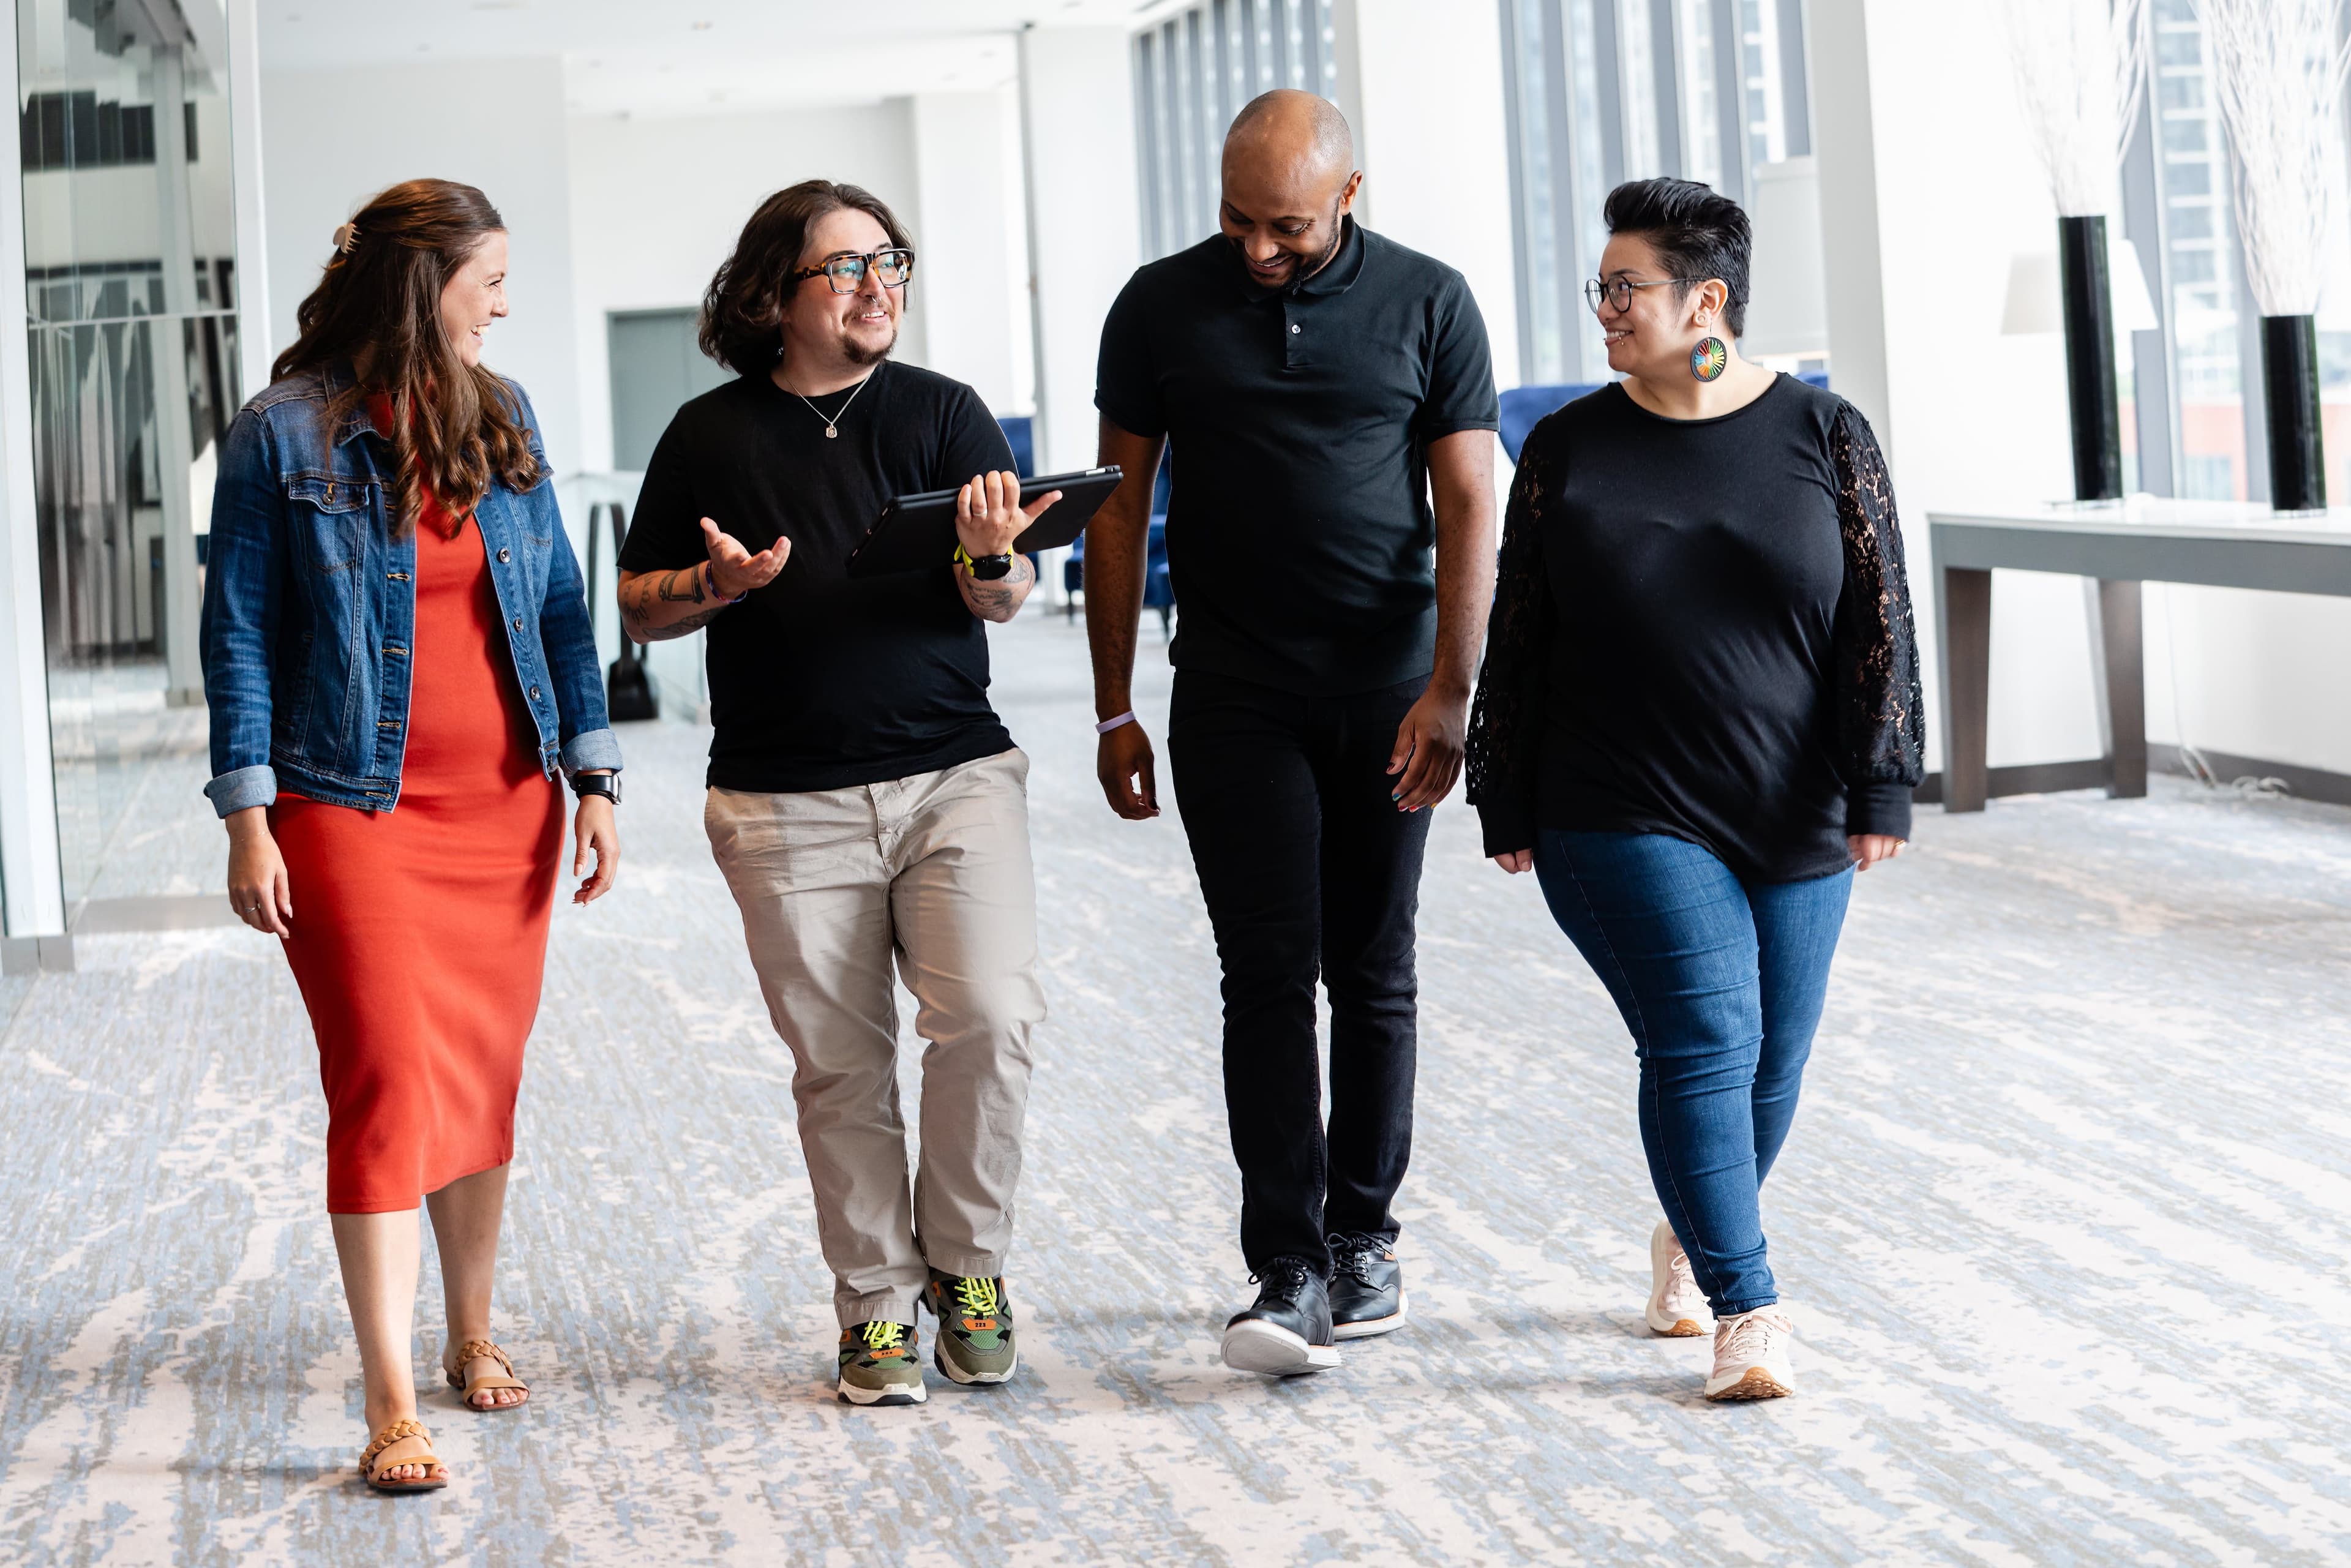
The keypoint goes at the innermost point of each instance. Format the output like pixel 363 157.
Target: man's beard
pixel 1308 266
pixel 858 353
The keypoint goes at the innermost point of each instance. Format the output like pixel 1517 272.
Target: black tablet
pixel 918 531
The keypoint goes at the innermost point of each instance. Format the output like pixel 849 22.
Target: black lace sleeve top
pixel 1702 628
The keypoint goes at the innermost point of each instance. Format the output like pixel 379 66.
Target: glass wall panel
pixel 130 275
pixel 2334 332
pixel 1537 147
pixel 2200 258
pixel 1701 131
pixel 1636 49
pixel 1193 72
pixel 1590 226
pixel 1762 79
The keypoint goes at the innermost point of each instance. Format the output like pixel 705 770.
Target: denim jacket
pixel 310 608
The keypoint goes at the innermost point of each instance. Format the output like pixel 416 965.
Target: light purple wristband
pixel 710 580
pixel 1106 726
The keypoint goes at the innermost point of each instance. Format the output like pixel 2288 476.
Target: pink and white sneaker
pixel 1677 1308
pixel 1752 1356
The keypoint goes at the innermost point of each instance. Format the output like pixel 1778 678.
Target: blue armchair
pixel 1524 407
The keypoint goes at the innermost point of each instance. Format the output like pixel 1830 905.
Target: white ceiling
pixel 691 56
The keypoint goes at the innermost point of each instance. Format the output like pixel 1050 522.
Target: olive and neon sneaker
pixel 880 1365
pixel 975 1343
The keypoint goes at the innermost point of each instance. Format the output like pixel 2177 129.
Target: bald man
pixel 1320 385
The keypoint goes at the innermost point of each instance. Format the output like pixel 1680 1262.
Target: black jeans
pixel 1308 869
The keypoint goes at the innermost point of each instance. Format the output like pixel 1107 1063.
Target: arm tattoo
pixel 675 591
pixel 1000 599
pixel 683 586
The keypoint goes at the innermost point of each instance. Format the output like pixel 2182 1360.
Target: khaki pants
pixel 933 872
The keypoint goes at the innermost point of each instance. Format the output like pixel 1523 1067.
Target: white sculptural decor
pixel 2277 77
pixel 2081 67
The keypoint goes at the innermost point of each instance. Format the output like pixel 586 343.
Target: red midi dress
pixel 419 934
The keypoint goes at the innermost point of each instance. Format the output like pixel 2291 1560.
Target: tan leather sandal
pixel 406 1427
pixel 475 1349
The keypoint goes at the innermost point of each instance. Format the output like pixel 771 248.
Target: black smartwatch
pixel 605 784
pixel 989 567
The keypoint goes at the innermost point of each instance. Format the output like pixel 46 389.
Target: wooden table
pixel 2147 538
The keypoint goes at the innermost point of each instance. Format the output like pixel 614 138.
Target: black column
pixel 2289 382
pixel 2090 359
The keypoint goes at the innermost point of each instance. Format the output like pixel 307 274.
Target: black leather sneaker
pixel 1366 1287
pixel 1288 1331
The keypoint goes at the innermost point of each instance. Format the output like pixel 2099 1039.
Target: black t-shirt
pixel 817 682
pixel 1731 629
pixel 1299 530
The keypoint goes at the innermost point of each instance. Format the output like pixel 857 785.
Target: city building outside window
pixel 1193 72
pixel 1602 92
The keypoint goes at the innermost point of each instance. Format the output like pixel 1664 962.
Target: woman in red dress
pixel 398 661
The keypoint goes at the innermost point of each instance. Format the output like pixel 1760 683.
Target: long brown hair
pixel 379 306
pixel 742 312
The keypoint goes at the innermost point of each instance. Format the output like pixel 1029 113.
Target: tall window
pixel 2200 258
pixel 1193 72
pixel 1601 91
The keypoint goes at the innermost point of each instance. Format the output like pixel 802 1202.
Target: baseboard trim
pixel 36 955
pixel 158 912
pixel 2308 783
pixel 2030 779
pixel 2049 777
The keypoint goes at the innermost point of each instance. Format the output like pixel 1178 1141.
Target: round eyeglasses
pixel 1618 291
pixel 846 272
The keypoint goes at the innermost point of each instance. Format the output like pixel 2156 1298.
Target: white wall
pixel 972 281
pixel 2259 674
pixel 656 204
pixel 1432 140
pixel 331 139
pixel 1918 224
pixel 1085 227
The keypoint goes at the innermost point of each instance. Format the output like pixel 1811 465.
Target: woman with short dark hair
pixel 398 662
pixel 1700 714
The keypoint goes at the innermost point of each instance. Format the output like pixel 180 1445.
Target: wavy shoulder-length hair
pixel 742 311
pixel 378 309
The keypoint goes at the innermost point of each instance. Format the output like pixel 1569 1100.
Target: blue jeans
pixel 1721 983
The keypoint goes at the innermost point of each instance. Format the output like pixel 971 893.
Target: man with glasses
pixel 1317 383
pixel 865 804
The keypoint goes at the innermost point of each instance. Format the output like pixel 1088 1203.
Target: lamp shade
pixel 2034 304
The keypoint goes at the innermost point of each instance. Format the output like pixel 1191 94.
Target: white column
pixel 254 348
pixel 1432 140
pixel 29 864
pixel 1967 415
pixel 973 304
pixel 1846 151
pixel 1077 90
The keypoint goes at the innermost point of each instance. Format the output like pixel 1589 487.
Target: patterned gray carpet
pixel 2062 1224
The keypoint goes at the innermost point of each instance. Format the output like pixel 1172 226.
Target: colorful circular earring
pixel 1710 359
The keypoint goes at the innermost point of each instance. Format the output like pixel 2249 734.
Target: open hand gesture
pixel 736 571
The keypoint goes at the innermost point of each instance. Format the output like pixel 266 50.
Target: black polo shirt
pixel 1299 530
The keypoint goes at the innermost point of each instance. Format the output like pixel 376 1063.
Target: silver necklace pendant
pixel 831 425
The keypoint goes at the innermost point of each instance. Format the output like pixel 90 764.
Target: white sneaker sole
pixel 1676 1328
pixel 1661 1263
pixel 1371 1326
pixel 872 1398
pixel 949 1370
pixel 1256 1345
pixel 1755 1383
